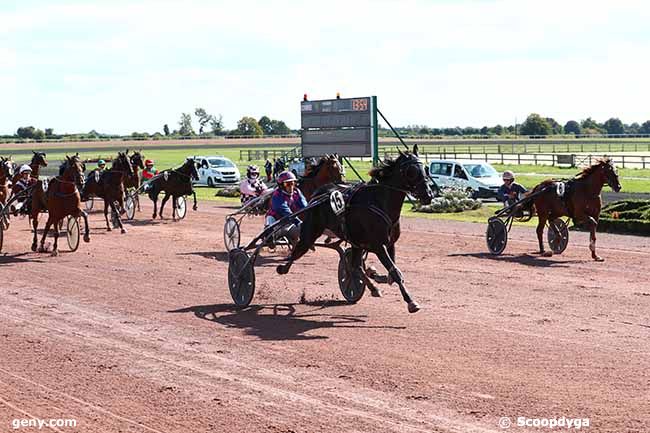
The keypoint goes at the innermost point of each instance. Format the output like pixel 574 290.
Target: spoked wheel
pixel 558 235
pixel 352 288
pixel 496 235
pixel 231 234
pixel 181 207
pixel 73 233
pixel 4 217
pixel 89 204
pixel 241 277
pixel 129 204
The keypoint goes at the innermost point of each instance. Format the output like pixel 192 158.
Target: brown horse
pixel 327 170
pixel 581 200
pixel 133 181
pixel 110 187
pixel 6 173
pixel 61 199
pixel 38 161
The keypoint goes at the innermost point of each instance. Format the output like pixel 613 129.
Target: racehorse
pixel 6 173
pixel 61 199
pixel 38 161
pixel 370 219
pixel 133 181
pixel 109 185
pixel 327 170
pixel 581 201
pixel 175 183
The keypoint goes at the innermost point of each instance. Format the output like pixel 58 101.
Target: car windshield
pixel 216 162
pixel 480 170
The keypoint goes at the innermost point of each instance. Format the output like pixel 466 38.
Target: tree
pixel 590 126
pixel 216 124
pixel 49 132
pixel 204 118
pixel 535 125
pixel 279 128
pixel 556 128
pixel 572 127
pixel 38 134
pixel 265 124
pixel 248 126
pixel 166 129
pixel 613 125
pixel 185 125
pixel 26 132
pixel 645 127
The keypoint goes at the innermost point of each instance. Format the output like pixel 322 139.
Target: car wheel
pixel 210 182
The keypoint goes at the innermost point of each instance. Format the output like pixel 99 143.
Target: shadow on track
pixel 6 259
pixel 280 321
pixel 525 259
pixel 222 256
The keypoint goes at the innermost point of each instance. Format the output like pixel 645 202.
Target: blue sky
pixel 124 66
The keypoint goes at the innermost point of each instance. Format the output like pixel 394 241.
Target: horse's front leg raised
pixel 396 275
pixel 593 224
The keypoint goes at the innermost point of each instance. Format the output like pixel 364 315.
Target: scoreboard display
pixel 345 126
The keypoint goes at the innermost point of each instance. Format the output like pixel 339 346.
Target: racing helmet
pixel 25 168
pixel 252 170
pixel 101 162
pixel 148 162
pixel 508 175
pixel 286 176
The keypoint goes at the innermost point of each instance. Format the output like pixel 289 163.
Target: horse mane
pixel 313 169
pixel 385 169
pixel 587 171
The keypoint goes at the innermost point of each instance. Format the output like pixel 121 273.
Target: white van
pixel 215 170
pixel 478 178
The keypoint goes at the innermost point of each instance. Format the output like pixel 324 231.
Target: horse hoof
pixel 55 253
pixel 108 229
pixel 413 307
pixel 42 250
pixel 123 231
pixel 281 269
pixel 154 216
pixel 195 208
pixel 376 293
pixel 34 247
pixel 547 254
pixel 599 259
pixel 86 238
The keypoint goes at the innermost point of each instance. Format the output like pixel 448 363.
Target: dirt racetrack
pixel 136 333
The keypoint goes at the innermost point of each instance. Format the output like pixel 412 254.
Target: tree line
pixel 208 126
pixel 535 124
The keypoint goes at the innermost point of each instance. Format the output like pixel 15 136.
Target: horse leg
pixel 174 207
pixel 45 231
pixel 55 249
pixel 106 207
pixel 541 223
pixel 396 275
pixel 114 208
pixel 308 235
pixel 154 199
pixel 592 239
pixel 162 204
pixel 84 215
pixel 195 207
pixel 35 225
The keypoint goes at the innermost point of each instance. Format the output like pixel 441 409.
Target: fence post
pixel 535 158
pixel 643 161
pixel 502 159
pixel 486 158
pixel 519 159
pixel 623 157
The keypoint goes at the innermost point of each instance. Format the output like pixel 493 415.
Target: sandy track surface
pixel 136 333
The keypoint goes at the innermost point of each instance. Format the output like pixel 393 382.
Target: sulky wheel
pixel 4 217
pixel 73 233
pixel 557 235
pixel 89 203
pixel 231 233
pixel 496 236
pixel 129 204
pixel 2 236
pixel 352 288
pixel 241 277
pixel 181 207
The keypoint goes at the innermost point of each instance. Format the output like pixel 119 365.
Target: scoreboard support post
pixel 374 144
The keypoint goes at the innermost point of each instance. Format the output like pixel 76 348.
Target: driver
pixel 251 187
pixel 148 173
pixel 510 191
pixel 25 181
pixel 285 200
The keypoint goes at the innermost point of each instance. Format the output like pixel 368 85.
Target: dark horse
pixel 6 173
pixel 38 161
pixel 61 199
pixel 175 183
pixel 370 221
pixel 133 181
pixel 581 201
pixel 110 187
pixel 327 170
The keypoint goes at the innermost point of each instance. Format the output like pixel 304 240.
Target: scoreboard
pixel 344 126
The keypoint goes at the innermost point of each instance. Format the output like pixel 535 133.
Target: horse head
pixel 405 173
pixel 334 169
pixel 6 167
pixel 136 160
pixel 122 163
pixel 609 174
pixel 39 159
pixel 74 170
pixel 190 167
